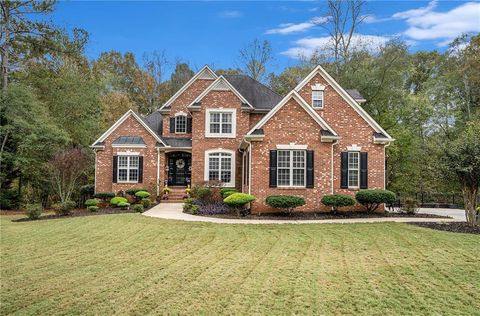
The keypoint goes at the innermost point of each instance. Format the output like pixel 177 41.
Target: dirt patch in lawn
pixel 456 227
pixel 322 215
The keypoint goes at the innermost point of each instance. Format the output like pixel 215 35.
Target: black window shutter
pixel 140 169
pixel 189 125
pixel 310 169
pixel 115 168
pixel 172 125
pixel 273 168
pixel 344 170
pixel 363 170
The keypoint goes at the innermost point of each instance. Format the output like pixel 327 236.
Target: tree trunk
pixel 470 199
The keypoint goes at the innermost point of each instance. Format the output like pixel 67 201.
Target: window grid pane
pixel 291 168
pixel 128 168
pixel 220 167
pixel 353 169
pixel 317 99
pixel 181 124
pixel 221 123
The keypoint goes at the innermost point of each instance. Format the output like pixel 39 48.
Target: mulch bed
pixel 78 213
pixel 324 215
pixel 455 227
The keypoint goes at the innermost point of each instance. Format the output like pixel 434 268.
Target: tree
pixel 21 36
pixel 180 76
pixel 254 58
pixel 228 71
pixel 463 158
pixel 288 79
pixel 67 167
pixel 114 104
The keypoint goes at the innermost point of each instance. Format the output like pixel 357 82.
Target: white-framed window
pixel 220 123
pixel 291 168
pixel 127 168
pixel 353 169
pixel 181 124
pixel 220 166
pixel 317 99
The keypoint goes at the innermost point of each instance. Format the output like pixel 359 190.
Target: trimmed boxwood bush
pixel 285 202
pixel 190 207
pixel 104 195
pixel 133 191
pixel 33 211
pixel 142 194
pixel 238 201
pixel 87 190
pixel 337 200
pixel 118 199
pixel 138 208
pixel 91 202
pixel 92 208
pixel 202 193
pixel 228 193
pixel 64 208
pixel 372 199
pixel 223 190
pixel 146 202
pixel 123 205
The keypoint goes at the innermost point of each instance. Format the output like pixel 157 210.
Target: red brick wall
pixel 255 118
pixel 104 159
pixel 200 144
pixel 291 124
pixel 353 129
pixel 180 105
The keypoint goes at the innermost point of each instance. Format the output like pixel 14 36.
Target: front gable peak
pixel 220 84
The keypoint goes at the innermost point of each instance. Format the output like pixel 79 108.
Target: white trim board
pixel 221 84
pixel 293 94
pixel 345 96
pixel 204 73
pixel 121 120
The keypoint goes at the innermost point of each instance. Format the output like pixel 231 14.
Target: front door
pixel 179 169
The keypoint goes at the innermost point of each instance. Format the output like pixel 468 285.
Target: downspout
pixel 249 167
pixel 158 172
pixel 384 165
pixel 332 170
pixel 243 171
pixel 95 173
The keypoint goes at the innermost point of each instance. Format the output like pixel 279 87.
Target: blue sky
pixel 213 32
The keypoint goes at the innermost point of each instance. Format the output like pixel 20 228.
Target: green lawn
pixel 131 264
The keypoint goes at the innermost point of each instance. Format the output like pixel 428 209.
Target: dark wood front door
pixel 179 169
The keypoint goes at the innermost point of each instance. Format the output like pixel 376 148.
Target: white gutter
pixel 158 171
pixel 95 173
pixel 385 169
pixel 332 170
pixel 249 166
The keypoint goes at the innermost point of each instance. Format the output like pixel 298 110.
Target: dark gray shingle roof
pixel 326 133
pixel 178 142
pixel 355 94
pixel 154 121
pixel 379 135
pixel 129 140
pixel 257 94
pixel 258 131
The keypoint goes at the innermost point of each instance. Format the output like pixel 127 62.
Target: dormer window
pixel 180 124
pixel 317 99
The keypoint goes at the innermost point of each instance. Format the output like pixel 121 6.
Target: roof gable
pixel 345 95
pixel 121 120
pixel 293 94
pixel 221 84
pixel 204 73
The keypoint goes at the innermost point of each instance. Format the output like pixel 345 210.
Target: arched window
pixel 220 166
pixel 181 124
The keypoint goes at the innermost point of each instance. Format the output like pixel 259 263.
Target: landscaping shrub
pixel 92 208
pixel 133 191
pixel 104 195
pixel 142 194
pixel 215 208
pixel 285 202
pixel 87 190
pixel 118 199
pixel 146 202
pixel 64 208
pixel 123 205
pixel 138 208
pixel 202 193
pixel 91 202
pixel 9 199
pixel 238 201
pixel 190 207
pixel 410 206
pixel 228 193
pixel 33 211
pixel 223 190
pixel 372 199
pixel 337 200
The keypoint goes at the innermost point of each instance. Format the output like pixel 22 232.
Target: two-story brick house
pixel 314 141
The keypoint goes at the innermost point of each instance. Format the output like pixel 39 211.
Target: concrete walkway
pixel 174 211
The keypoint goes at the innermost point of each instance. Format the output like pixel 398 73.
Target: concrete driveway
pixel 174 211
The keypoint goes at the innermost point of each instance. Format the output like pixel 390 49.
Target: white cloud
pixel 289 28
pixel 307 46
pixel 231 14
pixel 370 18
pixel 313 9
pixel 427 24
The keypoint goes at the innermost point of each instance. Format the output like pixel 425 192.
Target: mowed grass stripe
pixel 130 264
